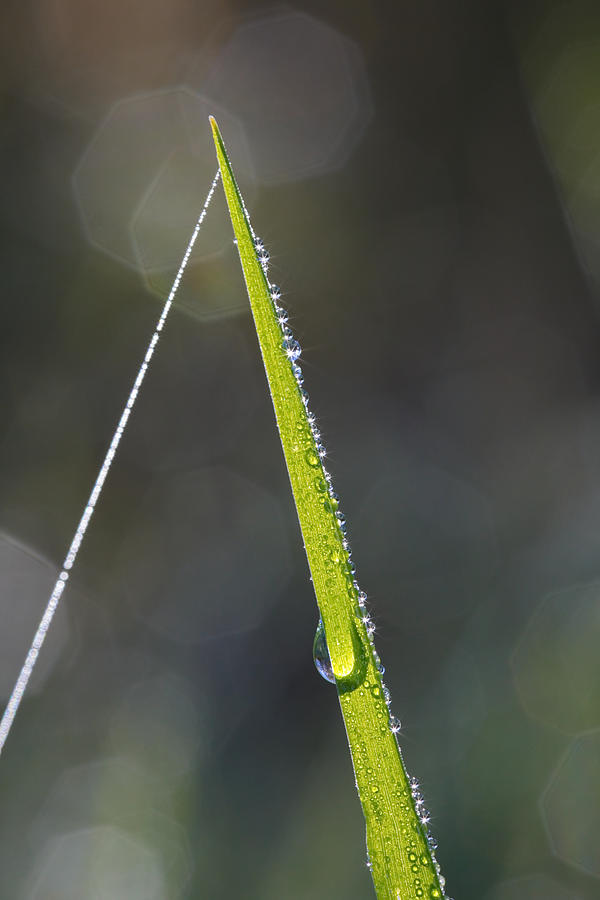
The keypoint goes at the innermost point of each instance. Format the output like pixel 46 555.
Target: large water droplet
pixel 321 654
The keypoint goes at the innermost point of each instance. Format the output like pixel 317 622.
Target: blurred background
pixel 426 177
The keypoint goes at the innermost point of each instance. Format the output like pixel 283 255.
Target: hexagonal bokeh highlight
pixel 98 864
pixel 531 887
pixel 116 793
pixel 26 582
pixel 142 181
pixel 556 664
pixel 209 555
pixel 111 790
pixel 570 809
pixel 301 89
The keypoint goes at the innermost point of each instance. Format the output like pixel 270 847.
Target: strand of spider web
pixel 30 660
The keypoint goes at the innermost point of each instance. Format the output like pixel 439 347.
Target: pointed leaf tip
pixel 215 127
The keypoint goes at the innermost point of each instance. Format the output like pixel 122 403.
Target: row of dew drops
pixel 292 350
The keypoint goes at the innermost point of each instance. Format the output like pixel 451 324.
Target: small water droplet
pixel 311 457
pixel 321 654
pixel 395 725
pixel 261 252
pixel 292 349
pixel 276 294
pixel 320 484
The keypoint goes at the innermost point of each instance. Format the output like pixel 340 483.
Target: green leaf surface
pixel 402 863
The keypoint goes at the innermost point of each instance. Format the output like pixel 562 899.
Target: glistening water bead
pixel 321 654
pixel 395 724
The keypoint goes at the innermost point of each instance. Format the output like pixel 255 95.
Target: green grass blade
pixel 401 859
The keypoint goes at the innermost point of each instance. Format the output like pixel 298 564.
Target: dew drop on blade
pixel 321 654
